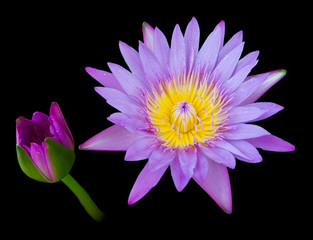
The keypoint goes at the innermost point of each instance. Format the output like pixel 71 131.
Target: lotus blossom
pixel 187 109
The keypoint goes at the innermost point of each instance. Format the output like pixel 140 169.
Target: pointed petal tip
pixel 276 75
pixel 132 200
pixel 19 120
pixel 225 204
pixel 121 44
pixel 221 24
pixel 217 185
pixel 88 69
pixel 282 71
pixel 146 25
pixel 228 211
pixel 292 148
pixel 55 103
pixel 289 147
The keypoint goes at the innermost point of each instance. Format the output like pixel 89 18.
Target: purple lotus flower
pixel 45 145
pixel 187 109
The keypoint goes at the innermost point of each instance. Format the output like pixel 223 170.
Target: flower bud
pixel 45 145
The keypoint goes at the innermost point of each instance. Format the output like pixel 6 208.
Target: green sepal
pixel 27 165
pixel 61 158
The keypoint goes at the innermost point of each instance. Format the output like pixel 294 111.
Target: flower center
pixel 186 111
pixel 183 117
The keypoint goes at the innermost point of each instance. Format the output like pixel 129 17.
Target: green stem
pixel 84 198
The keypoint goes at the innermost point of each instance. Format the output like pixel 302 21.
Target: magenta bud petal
pixel 27 165
pixel 62 131
pixel 41 161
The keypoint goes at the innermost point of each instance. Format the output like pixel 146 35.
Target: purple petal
pixel 272 143
pixel 56 111
pixel 112 93
pixel 244 114
pixel 188 160
pixel 119 119
pixel 129 82
pixel 141 149
pixel 153 69
pixel 39 159
pixel 131 123
pixel 251 154
pixel 177 53
pixel 144 182
pixel 179 178
pixel 219 155
pixel 269 109
pixel 227 65
pixel 192 38
pixel 161 157
pixel 26 133
pixel 217 185
pixel 247 88
pixel 133 61
pixel 201 169
pixel 147 32
pixel 119 100
pixel 234 42
pixel 41 125
pixel 245 131
pixel 114 138
pixel 209 51
pixel 125 107
pixel 105 78
pixel 59 134
pixel 161 47
pixel 236 80
pixel 229 147
pixel 250 60
pixel 272 78
pixel 19 137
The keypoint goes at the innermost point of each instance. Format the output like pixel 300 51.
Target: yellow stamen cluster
pixel 185 111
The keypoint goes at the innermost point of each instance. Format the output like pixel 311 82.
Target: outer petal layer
pixel 105 78
pixel 270 80
pixel 245 131
pixel 114 138
pixel 141 149
pixel 179 178
pixel 272 143
pixel 147 32
pixel 209 51
pixel 217 185
pixel 144 182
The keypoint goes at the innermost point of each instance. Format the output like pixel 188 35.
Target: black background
pixel 46 50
